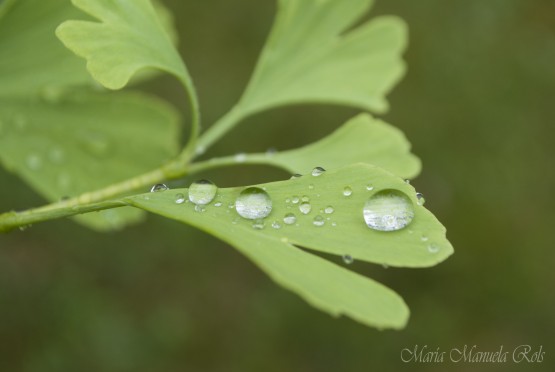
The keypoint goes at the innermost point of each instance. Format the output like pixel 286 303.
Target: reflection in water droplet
pixel 420 199
pixel 253 203
pixel 295 176
pixel 34 162
pixel 276 225
pixel 159 187
pixel 258 224
pixel 202 192
pixel 305 208
pixel 289 219
pixel 348 259
pixel 318 171
pixel 179 198
pixel 329 210
pixel 318 221
pixel 433 248
pixel 388 210
pixel 347 191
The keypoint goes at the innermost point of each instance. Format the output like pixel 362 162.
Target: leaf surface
pixel 344 232
pixel 312 55
pixel 84 141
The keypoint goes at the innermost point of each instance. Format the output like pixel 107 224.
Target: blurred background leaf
pixel 476 104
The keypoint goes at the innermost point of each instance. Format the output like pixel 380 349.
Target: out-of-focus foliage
pixel 476 104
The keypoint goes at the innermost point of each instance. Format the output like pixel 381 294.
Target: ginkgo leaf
pixel 362 139
pixel 333 223
pixel 130 37
pixel 85 141
pixel 313 56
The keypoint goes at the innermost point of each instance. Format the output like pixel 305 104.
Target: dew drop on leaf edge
pixel 159 187
pixel 348 259
pixel 318 171
pixel 253 203
pixel 202 192
pixel 179 198
pixel 388 210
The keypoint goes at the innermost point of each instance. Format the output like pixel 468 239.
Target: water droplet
pixel 305 208
pixel 305 198
pixel 348 259
pixel 231 205
pixel 295 176
pixel 218 204
pixel 199 150
pixel 407 182
pixel 287 200
pixel 289 219
pixel 56 155
pixel 52 94
pixel 202 192
pixel 424 238
pixel 159 187
pixel 369 187
pixel 318 171
pixel 388 210
pixel 253 203
pixel 284 240
pixel 271 151
pixel 258 224
pixel 318 221
pixel 95 144
pixel 295 200
pixel 276 225
pixel 179 198
pixel 200 208
pixel 420 199
pixel 347 191
pixel 240 157
pixel 311 187
pixel 34 162
pixel 433 248
pixel 334 224
pixel 329 210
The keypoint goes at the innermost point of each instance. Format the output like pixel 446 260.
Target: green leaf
pixel 362 139
pixel 313 56
pixel 321 283
pixel 130 37
pixel 84 141
pixel 33 60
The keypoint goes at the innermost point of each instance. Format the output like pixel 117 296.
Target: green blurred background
pixel 477 105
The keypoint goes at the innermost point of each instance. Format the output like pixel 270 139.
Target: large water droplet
pixel 318 221
pixel 348 259
pixel 388 210
pixel 34 162
pixel 253 203
pixel 329 210
pixel 179 198
pixel 289 219
pixel 202 192
pixel 159 187
pixel 347 191
pixel 420 199
pixel 318 171
pixel 305 208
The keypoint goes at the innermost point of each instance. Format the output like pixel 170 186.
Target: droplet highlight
pixel 318 221
pixel 289 219
pixel 388 210
pixel 253 203
pixel 347 191
pixel 420 199
pixel 318 171
pixel 179 198
pixel 159 187
pixel 202 192
pixel 305 208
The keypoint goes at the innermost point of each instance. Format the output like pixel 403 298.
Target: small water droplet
pixel 295 176
pixel 199 150
pixel 231 205
pixel 305 208
pixel 200 208
pixel 369 187
pixel 179 198
pixel 271 151
pixel 289 219
pixel 388 210
pixel 95 144
pixel 329 210
pixel 253 203
pixel 258 224
pixel 159 187
pixel 318 171
pixel 276 225
pixel 348 259
pixel 305 198
pixel 407 182
pixel 424 238
pixel 420 199
pixel 240 157
pixel 202 192
pixel 295 200
pixel 334 224
pixel 56 155
pixel 34 162
pixel 218 204
pixel 288 200
pixel 318 221
pixel 311 187
pixel 433 248
pixel 347 191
